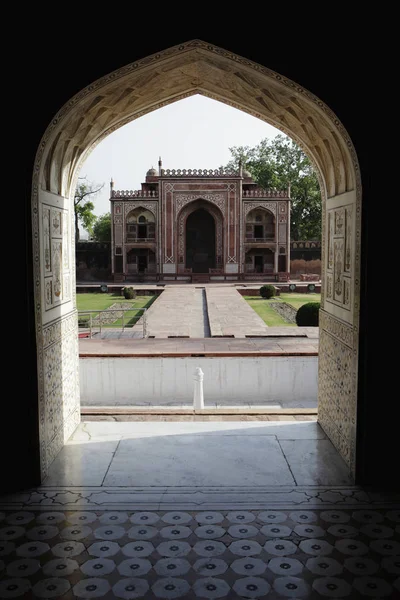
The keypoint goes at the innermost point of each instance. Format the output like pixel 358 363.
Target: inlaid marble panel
pixel 65 232
pixel 330 240
pixel 338 248
pixel 56 256
pixel 46 240
pixel 329 287
pixel 339 222
pixel 340 277
pixel 56 223
pixel 346 292
pixel 60 410
pixel 57 270
pixel 348 239
pixel 337 389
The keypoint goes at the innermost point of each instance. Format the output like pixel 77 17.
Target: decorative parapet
pixel 134 194
pixel 198 173
pixel 259 193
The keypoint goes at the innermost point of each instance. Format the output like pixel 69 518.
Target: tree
pixel 84 207
pixel 102 228
pixel 277 163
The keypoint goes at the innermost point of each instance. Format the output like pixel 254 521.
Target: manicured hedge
pixel 267 291
pixel 308 315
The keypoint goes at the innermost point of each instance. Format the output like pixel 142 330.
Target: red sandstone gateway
pixel 200 225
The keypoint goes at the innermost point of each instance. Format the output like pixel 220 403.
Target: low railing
pixel 261 193
pixel 96 323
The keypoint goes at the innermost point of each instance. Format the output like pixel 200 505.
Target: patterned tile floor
pixel 329 553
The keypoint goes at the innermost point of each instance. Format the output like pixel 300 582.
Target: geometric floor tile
pixel 346 553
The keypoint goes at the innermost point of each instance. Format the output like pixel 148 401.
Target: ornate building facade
pixel 200 225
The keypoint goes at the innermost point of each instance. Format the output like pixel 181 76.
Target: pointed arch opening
pixel 194 67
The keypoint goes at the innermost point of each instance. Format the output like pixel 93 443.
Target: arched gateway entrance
pixel 191 68
pixel 200 241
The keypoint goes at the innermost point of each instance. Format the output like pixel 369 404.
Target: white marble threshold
pixel 193 498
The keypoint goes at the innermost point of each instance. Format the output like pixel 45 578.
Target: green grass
pixel 270 316
pixel 266 312
pixel 101 301
pixel 297 300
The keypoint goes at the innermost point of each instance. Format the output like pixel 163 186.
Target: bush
pixel 308 315
pixel 129 293
pixel 267 291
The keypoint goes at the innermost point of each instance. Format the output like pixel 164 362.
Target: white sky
pixel 194 133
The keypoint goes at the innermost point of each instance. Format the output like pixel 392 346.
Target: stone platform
pixel 280 341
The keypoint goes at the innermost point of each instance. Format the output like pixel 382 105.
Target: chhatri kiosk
pixel 199 225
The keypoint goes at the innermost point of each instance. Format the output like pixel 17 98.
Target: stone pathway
pixel 231 316
pixel 201 313
pixel 173 314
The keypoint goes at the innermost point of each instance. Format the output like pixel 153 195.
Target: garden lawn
pixel 102 301
pixel 297 300
pixel 270 316
pixel 266 312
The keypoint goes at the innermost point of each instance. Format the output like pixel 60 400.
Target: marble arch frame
pixel 194 67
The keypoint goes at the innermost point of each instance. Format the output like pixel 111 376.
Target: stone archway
pixel 191 68
pixel 183 215
pixel 200 241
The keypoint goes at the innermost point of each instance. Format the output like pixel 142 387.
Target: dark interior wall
pixel 55 68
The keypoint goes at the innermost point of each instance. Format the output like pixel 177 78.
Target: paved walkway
pixel 230 315
pixel 191 312
pixel 178 312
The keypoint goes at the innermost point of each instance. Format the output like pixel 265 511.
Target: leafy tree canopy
pixel 102 228
pixel 84 206
pixel 277 163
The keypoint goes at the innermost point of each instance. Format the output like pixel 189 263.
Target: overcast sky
pixel 194 133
